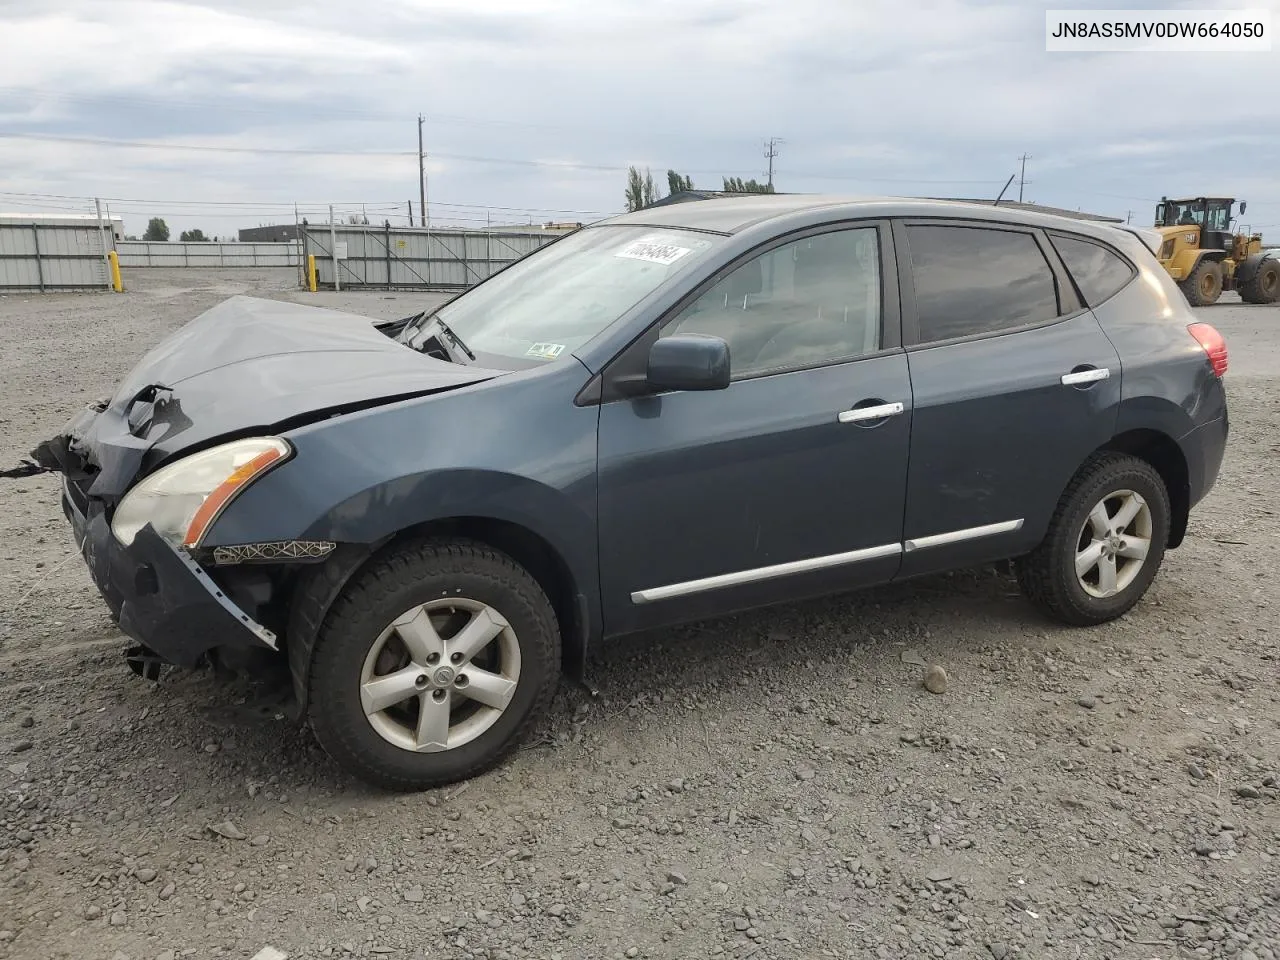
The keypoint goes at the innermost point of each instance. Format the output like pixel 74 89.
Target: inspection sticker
pixel 653 250
pixel 545 351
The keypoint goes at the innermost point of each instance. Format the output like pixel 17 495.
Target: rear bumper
pixel 1204 448
pixel 159 595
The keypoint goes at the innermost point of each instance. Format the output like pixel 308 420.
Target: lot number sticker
pixel 652 250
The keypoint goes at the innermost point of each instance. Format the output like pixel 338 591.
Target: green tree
pixel 641 190
pixel 738 185
pixel 195 236
pixel 678 184
pixel 157 229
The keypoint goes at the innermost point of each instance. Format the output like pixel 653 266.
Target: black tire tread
pixel 1191 286
pixel 374 586
pixel 1252 292
pixel 1039 575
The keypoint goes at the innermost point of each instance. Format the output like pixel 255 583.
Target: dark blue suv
pixel 666 416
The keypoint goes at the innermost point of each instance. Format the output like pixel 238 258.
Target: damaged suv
pixel 670 415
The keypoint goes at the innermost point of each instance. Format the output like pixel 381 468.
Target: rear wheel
pixel 433 665
pixel 1264 285
pixel 1104 544
pixel 1204 286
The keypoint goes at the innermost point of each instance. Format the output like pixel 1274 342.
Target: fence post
pixel 102 238
pixel 35 237
pixel 387 242
pixel 333 249
pixel 117 284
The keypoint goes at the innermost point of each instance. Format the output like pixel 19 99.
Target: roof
pixel 684 196
pixel 735 213
pixel 1039 208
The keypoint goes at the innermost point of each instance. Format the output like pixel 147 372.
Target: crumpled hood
pixel 249 364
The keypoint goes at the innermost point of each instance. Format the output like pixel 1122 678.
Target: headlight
pixel 182 500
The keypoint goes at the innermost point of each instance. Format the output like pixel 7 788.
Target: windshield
pixel 556 299
pixel 1181 213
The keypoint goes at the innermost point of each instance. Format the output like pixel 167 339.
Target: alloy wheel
pixel 1113 544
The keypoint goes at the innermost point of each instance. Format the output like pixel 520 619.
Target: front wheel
pixel 1204 286
pixel 1104 544
pixel 433 665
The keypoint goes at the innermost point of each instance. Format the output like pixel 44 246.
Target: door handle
pixel 1086 375
pixel 878 412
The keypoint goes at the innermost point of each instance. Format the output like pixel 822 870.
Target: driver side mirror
pixel 1242 206
pixel 688 361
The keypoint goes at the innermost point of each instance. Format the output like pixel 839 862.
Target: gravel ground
pixel 779 784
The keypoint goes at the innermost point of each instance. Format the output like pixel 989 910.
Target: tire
pixel 1264 285
pixel 450 585
pixel 1204 286
pixel 1048 575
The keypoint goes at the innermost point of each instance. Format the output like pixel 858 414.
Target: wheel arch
pixel 1163 453
pixel 316 591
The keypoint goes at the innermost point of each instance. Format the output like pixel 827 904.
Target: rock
pixel 556 910
pixel 261 840
pixel 741 925
pixel 22 746
pixel 145 874
pixel 1249 793
pixel 633 952
pixel 167 891
pixel 935 679
pixel 998 950
pixel 805 773
pixel 27 722
pixel 675 876
pixel 796 873
pixel 912 657
pixel 92 913
pixel 227 829
pixel 938 875
pixel 414 894
pixel 167 955
pixel 1196 772
pixel 676 785
pixel 1087 702
pixel 119 918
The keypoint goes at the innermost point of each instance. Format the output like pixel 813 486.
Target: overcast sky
pixel 912 98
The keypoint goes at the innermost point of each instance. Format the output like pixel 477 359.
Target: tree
pixel 195 236
pixel 678 184
pixel 738 185
pixel 641 190
pixel 157 229
pixel 357 219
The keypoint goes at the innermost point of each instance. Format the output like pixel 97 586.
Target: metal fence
pixel 415 257
pixel 144 253
pixel 47 256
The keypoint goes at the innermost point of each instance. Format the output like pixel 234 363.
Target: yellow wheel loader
pixel 1205 257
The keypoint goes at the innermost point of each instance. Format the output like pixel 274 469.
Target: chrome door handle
pixel 859 414
pixel 1077 377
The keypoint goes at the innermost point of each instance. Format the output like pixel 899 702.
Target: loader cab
pixel 1211 215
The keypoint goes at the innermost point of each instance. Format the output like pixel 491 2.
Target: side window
pixel 1096 270
pixel 975 280
pixel 811 301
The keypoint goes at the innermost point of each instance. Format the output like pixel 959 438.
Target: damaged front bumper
pixel 157 593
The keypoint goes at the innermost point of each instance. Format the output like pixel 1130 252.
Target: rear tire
pixel 1087 570
pixel 1264 285
pixel 432 665
pixel 1204 286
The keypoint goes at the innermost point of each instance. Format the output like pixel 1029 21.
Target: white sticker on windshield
pixel 653 250
pixel 545 351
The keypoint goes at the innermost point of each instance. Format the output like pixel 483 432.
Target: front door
pixel 791 481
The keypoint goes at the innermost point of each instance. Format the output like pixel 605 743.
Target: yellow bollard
pixel 116 283
pixel 311 272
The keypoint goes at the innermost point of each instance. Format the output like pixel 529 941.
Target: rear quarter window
pixel 1098 272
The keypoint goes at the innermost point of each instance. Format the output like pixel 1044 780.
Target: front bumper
pixel 158 594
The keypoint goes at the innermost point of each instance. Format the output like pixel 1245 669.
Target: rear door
pixel 1014 384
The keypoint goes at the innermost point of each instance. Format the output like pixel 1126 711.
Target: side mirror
pixel 1242 206
pixel 689 361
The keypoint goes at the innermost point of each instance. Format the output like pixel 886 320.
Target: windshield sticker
pixel 653 250
pixel 545 351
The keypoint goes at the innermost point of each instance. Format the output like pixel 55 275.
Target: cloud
pixel 939 97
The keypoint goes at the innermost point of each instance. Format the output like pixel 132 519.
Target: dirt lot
pixel 775 785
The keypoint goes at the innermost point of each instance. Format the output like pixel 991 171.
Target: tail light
pixel 1213 344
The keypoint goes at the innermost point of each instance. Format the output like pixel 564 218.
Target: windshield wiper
pixel 457 340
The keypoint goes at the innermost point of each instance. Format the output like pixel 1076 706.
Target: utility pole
pixel 1022 177
pixel 422 178
pixel 771 151
pixel 1128 216
pixel 410 213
